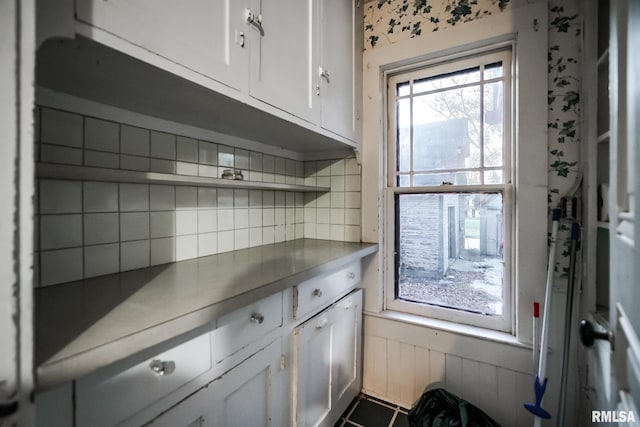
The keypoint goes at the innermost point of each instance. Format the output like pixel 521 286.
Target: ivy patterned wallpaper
pixel 389 21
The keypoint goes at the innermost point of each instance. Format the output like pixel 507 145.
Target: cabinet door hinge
pixel 283 361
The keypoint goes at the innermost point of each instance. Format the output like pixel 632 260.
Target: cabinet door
pixel 282 56
pixel 202 35
pixel 194 411
pixel 312 370
pixel 339 75
pixel 326 361
pixel 251 394
pixel 346 344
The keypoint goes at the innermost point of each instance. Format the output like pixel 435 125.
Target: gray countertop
pixel 82 326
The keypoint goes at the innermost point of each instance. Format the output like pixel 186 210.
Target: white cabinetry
pixel 204 36
pixel 340 65
pixel 283 55
pixel 251 394
pixel 106 398
pixel 326 362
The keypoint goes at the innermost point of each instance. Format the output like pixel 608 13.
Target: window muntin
pixel 449 190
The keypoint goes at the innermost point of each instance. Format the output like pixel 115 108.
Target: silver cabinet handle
pixel 254 20
pixel 351 275
pixel 256 318
pixel 162 368
pixel 322 323
pixel 317 292
pixel 324 73
pixel 348 305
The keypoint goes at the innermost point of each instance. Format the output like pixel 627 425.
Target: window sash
pixel 502 322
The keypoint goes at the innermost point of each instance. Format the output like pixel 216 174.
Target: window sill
pixel 452 327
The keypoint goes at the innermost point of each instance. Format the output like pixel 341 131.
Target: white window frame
pixel 442 65
pixel 526 27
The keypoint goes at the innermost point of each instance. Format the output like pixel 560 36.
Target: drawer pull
pixel 256 318
pixel 321 324
pixel 162 368
pixel 317 292
pixel 351 275
pixel 348 305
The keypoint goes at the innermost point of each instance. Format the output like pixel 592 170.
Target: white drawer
pixel 241 327
pixel 105 399
pixel 317 292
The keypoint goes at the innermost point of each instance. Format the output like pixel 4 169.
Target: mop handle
pixel 546 316
pixel 536 333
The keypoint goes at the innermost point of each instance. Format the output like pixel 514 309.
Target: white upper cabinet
pixel 282 55
pixel 340 67
pixel 203 35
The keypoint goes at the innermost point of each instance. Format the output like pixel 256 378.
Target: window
pixel 449 189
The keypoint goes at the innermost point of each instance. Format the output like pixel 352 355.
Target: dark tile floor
pixel 367 411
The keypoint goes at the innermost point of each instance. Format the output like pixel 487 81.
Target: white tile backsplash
pixel 207 221
pixel 101 259
pixel 163 145
pixel 100 197
pixel 135 163
pixel 225 241
pixel 60 231
pixel 101 228
pixel 162 224
pixel 101 135
pixel 225 219
pixel 162 197
pixel 60 196
pixel 59 266
pixel 134 226
pixel 207 244
pixel 186 197
pixel 135 255
pixel 207 153
pixel 187 149
pixel 207 198
pixel 59 154
pixel 128 226
pixel 186 222
pixel 134 140
pixel 163 250
pixel 101 159
pixel 134 197
pixel 61 128
pixel 186 247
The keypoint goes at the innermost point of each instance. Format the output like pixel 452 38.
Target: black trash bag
pixel 439 408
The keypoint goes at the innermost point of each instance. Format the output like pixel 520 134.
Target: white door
pixel 202 35
pixel 624 235
pixel 283 55
pixel 17 50
pixel 616 379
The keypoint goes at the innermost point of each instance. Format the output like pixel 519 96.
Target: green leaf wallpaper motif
pixel 388 21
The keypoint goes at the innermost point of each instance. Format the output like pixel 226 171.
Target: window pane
pixel 404 135
pixel 402 89
pixel 456 178
pixel 443 81
pixel 446 127
pixel 450 250
pixel 494 177
pixel 493 123
pixel 493 70
pixel 403 181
